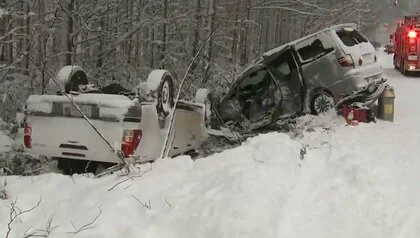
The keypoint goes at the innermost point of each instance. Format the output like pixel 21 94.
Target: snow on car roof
pixel 280 48
pixel 111 105
pixel 91 98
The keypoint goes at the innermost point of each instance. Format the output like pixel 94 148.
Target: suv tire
pixel 321 102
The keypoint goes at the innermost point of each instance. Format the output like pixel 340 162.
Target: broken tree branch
pixel 131 177
pixel 169 205
pixel 165 150
pixel 87 226
pixel 41 232
pixel 15 212
pixel 145 205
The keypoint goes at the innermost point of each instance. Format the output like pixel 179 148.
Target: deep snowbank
pixel 348 185
pixel 239 192
pixel 365 184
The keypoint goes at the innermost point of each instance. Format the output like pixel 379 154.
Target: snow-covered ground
pixel 358 181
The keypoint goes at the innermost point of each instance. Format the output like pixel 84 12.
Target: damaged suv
pixel 309 75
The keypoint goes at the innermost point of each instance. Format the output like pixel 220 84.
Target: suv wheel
pixel 322 102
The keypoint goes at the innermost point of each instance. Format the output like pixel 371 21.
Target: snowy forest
pixel 122 40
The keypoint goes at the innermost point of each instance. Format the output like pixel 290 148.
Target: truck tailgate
pixel 58 130
pixel 74 138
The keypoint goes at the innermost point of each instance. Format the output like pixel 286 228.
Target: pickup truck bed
pixel 54 128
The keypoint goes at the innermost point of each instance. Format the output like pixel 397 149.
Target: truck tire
pixel 164 91
pixel 68 79
pixel 403 71
pixel 395 63
pixel 204 96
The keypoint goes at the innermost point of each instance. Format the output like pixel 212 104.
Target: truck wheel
pixel 321 102
pixel 165 96
pixel 403 71
pixel 69 78
pixel 203 96
pixel 395 64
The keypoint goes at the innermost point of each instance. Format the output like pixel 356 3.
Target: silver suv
pixel 308 75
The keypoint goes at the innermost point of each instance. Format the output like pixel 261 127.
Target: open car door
pixel 270 90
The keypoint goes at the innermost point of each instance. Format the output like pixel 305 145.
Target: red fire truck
pixel 406 40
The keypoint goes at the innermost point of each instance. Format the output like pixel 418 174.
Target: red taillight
pixel 412 34
pixel 27 137
pixel 130 141
pixel 346 61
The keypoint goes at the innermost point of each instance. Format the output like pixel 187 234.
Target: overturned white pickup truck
pixel 136 124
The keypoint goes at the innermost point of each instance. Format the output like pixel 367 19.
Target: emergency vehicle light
pixel 412 34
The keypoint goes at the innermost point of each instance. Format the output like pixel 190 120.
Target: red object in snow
pixel 355 114
pixel 27 138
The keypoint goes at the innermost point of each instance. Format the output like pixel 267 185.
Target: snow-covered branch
pixel 87 226
pixel 15 212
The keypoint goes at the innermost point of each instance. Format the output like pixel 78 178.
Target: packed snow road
pixel 360 181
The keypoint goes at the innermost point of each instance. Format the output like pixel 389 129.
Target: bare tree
pixel 123 40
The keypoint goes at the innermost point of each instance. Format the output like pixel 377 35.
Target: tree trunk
pixel 196 33
pixel 3 26
pixel 27 38
pixel 209 58
pixel 261 31
pixel 164 32
pixel 130 42
pixel 235 35
pixel 99 59
pixel 137 50
pixel 69 35
pixel 152 47
pixel 42 44
pixel 10 39
pixel 244 35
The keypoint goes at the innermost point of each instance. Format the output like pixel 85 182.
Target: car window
pixel 314 47
pixel 283 68
pixel 350 36
pixel 253 79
